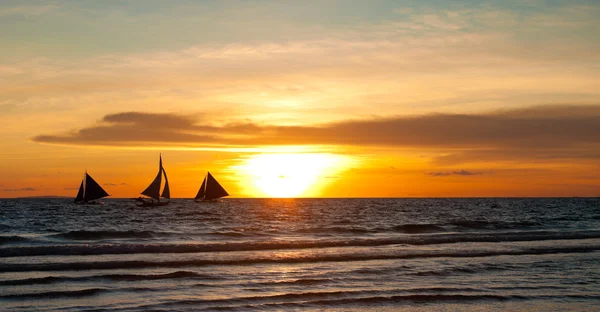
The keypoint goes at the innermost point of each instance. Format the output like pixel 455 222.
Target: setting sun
pixel 291 175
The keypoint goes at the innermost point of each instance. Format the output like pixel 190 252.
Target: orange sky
pixel 339 99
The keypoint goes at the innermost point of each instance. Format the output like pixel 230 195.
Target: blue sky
pixel 68 29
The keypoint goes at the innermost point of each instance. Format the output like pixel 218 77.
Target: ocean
pixel 472 254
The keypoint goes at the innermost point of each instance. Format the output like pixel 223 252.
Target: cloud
pixel 25 189
pixel 449 173
pixel 549 128
pixel 518 153
pixel 446 42
pixel 27 10
pixel 380 66
pixel 133 128
pixel 114 184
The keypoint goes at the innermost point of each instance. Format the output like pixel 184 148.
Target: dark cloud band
pixel 545 127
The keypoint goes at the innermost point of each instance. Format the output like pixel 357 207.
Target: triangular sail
pixel 166 191
pixel 202 190
pixel 93 190
pixel 153 190
pixel 79 196
pixel 213 188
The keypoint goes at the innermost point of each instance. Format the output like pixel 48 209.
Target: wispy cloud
pixel 517 154
pixel 27 10
pixel 459 58
pixel 449 173
pixel 114 184
pixel 25 189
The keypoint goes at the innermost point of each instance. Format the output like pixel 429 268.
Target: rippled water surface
pixel 303 254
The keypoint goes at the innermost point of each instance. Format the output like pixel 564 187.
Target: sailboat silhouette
pixel 153 190
pixel 210 189
pixel 89 190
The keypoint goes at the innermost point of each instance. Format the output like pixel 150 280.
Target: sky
pixel 331 98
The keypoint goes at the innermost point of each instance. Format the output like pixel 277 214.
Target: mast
pixel 166 191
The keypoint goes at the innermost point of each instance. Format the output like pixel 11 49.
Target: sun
pixel 290 175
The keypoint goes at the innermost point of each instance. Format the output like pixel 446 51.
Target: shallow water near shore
pixel 480 254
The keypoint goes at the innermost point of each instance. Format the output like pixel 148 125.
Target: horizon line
pixel 365 197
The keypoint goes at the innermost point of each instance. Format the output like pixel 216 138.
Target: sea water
pixel 480 254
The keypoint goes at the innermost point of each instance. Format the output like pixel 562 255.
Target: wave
pixel 401 254
pixel 343 222
pixel 360 298
pixel 326 298
pixel 492 225
pixel 378 271
pixel 194 213
pixel 453 226
pixel 51 230
pixel 418 228
pixel 5 240
pixel 229 234
pixel 343 227
pixel 72 293
pixel 421 298
pixel 301 282
pixel 56 294
pixel 113 277
pixel 566 218
pixel 96 235
pixel 471 269
pixel 430 239
pixel 336 230
pixel 329 298
pixel 541 287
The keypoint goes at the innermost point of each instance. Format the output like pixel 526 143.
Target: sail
pixel 166 191
pixel 79 196
pixel 93 190
pixel 153 190
pixel 213 188
pixel 202 190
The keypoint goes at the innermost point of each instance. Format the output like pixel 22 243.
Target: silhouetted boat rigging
pixel 153 190
pixel 210 189
pixel 89 190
